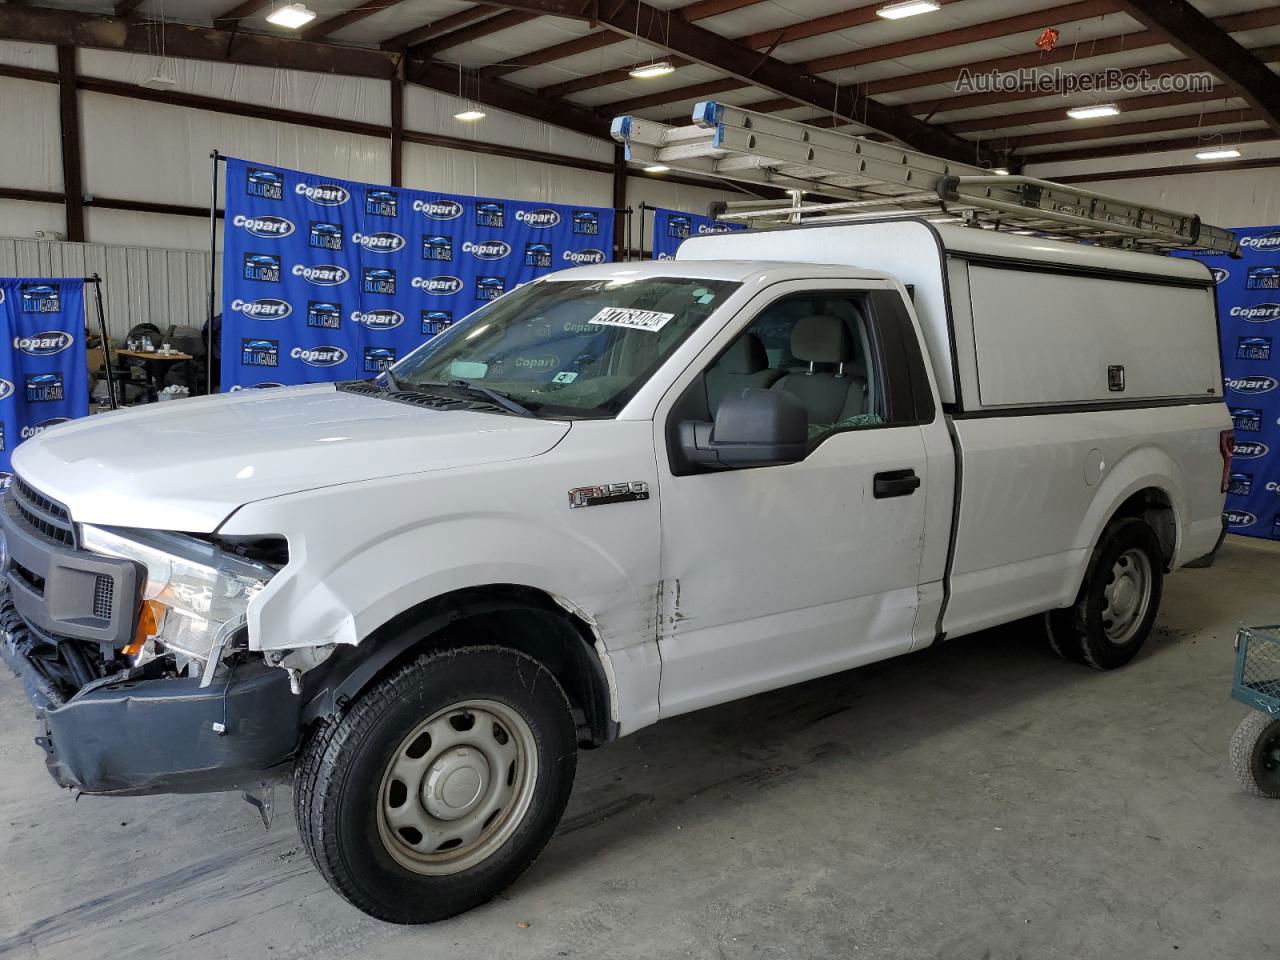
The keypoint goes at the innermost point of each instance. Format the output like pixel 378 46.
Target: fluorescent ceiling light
pixel 1220 153
pixel 1097 110
pixel 656 168
pixel 659 68
pixel 907 8
pixel 1000 171
pixel 291 15
pixel 470 115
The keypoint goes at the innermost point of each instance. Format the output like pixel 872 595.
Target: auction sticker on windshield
pixel 649 320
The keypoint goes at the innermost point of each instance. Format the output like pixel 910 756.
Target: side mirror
pixel 753 428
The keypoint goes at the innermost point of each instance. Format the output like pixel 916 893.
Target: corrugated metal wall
pixel 139 284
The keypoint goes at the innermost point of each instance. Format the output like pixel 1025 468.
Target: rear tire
pixel 1255 754
pixel 440 785
pixel 1116 607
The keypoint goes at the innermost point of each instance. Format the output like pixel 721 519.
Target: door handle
pixel 895 483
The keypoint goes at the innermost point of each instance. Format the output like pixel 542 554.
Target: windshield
pixel 566 348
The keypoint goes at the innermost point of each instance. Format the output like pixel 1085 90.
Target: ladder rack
pixel 870 180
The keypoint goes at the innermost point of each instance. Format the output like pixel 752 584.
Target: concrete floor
pixel 980 800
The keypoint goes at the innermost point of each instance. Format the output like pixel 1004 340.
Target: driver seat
pixel 833 394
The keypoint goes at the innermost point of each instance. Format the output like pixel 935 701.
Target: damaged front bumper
pixel 167 735
pixel 112 725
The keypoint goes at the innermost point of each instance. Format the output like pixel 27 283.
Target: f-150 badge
pixel 606 493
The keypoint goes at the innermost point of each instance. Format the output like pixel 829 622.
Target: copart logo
pixel 437 286
pixel 325 194
pixel 379 319
pixel 44 344
pixel 439 209
pixel 1239 518
pixel 324 275
pixel 1258 313
pixel 6 389
pixel 581 258
pixel 379 242
pixel 1256 384
pixel 267 308
pixel 541 219
pixel 1263 241
pixel 319 356
pixel 1249 450
pixel 268 228
pixel 1219 274
pixel 34 430
pixel 487 249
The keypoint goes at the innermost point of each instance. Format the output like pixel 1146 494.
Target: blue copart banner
pixel 1249 323
pixel 44 374
pixel 673 227
pixel 327 279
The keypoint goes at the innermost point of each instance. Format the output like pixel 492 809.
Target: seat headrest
pixel 821 339
pixel 745 355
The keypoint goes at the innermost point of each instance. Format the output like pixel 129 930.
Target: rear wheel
pixel 1116 607
pixel 1255 754
pixel 440 785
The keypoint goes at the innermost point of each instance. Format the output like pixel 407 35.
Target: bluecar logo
pixel 325 194
pixel 434 321
pixel 44 344
pixel 1247 419
pixel 586 223
pixel 541 219
pixel 1239 518
pixel 1219 274
pixel 267 308
pixel 6 389
pixel 537 254
pixel 1255 384
pixel 325 236
pixel 324 274
pixel 319 356
pixel 45 387
pixel 267 228
pixel 262 267
pixel 377 359
pixel 1249 450
pixel 379 319
pixel 487 249
pixel 324 315
pixel 40 298
pixel 381 203
pixel 266 184
pixel 1240 484
pixel 438 248
pixel 439 209
pixel 1264 241
pixel 34 430
pixel 379 242
pixel 583 257
pixel 1258 313
pixel 259 353
pixel 438 286
pixel 678 227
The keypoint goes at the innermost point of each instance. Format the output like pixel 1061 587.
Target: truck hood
pixel 187 464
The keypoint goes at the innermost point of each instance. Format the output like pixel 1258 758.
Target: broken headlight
pixel 195 595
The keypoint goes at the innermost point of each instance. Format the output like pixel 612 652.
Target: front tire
pixel 440 785
pixel 1116 607
pixel 1255 754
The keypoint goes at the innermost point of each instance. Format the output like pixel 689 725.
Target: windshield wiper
pixel 393 385
pixel 500 399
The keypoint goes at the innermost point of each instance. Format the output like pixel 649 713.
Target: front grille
pixel 46 517
pixel 103 595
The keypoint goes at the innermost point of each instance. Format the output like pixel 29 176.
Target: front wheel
pixel 1116 607
pixel 440 785
pixel 1255 754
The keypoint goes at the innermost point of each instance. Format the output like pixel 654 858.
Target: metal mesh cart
pixel 1255 747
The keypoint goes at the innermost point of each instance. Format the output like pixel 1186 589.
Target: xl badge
pixel 606 493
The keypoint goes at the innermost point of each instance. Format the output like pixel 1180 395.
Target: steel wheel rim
pixel 1127 596
pixel 457 787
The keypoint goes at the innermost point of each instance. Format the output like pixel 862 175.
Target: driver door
pixel 773 575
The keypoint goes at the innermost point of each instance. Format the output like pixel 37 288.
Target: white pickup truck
pixel 617 494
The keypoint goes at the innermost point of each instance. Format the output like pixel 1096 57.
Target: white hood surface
pixel 187 464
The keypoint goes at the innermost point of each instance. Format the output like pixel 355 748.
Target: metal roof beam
pixel 1207 44
pixel 324 28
